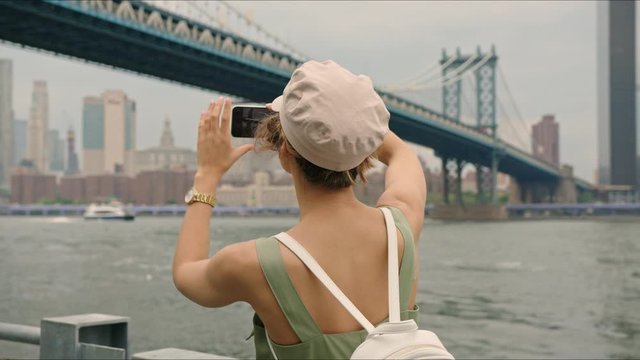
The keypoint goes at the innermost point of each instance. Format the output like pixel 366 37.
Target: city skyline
pixel 533 78
pixel 569 100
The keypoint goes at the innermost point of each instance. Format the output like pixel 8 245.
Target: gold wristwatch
pixel 194 195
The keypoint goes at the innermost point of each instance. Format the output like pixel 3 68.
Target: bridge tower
pixel 483 67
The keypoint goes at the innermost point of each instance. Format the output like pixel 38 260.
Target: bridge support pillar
pixel 515 192
pixel 565 191
pixel 452 173
pixel 485 184
pixel 535 192
pixel 562 190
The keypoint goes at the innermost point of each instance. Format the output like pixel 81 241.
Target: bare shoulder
pixel 236 267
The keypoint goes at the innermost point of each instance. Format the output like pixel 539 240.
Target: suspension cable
pixel 416 78
pixel 468 72
pixel 443 80
pixel 446 80
pixel 265 32
pixel 508 121
pixel 513 100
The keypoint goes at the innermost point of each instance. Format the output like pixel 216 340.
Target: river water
pixel 526 289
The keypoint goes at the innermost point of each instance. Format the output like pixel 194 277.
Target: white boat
pixel 111 211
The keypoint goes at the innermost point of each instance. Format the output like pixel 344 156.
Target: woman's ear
pixel 285 157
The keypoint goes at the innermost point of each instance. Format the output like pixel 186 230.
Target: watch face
pixel 188 197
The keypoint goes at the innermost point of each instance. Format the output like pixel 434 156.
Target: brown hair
pixel 270 136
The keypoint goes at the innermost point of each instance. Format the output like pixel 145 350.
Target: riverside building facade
pixel 108 133
pixel 166 155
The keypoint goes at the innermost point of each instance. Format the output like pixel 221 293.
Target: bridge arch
pixel 249 52
pixel 182 29
pixel 155 20
pixel 268 59
pixel 169 24
pixel 125 11
pixel 206 38
pixel 228 45
pixel 100 5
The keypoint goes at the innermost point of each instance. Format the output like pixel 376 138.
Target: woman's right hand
pixel 215 152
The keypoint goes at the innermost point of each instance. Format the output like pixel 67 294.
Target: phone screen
pixel 245 119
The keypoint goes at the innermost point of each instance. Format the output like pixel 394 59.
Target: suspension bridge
pixel 213 46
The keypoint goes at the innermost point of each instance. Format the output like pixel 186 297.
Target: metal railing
pixel 88 336
pixel 20 333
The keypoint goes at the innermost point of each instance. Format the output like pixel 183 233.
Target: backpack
pixel 396 339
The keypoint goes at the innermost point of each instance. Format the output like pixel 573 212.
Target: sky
pixel 546 50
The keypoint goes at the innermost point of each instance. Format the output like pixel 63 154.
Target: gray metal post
pixel 87 336
pixel 20 333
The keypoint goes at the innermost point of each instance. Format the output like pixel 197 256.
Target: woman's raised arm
pixel 404 183
pixel 209 281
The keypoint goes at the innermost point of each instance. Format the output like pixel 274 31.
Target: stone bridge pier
pixel 561 191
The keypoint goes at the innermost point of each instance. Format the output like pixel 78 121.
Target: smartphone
pixel 245 119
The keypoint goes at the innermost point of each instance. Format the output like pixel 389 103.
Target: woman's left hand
pixel 215 152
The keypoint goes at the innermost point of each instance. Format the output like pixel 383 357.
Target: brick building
pixel 30 188
pixel 545 140
pixel 72 188
pixel 158 187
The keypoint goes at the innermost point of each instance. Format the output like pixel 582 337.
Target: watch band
pixel 209 199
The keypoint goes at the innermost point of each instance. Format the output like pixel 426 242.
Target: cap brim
pixel 276 104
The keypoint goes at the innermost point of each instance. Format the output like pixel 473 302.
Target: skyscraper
pixel 6 121
pixel 545 140
pixel 72 156
pixel 19 140
pixel 38 126
pixel 617 137
pixel 55 151
pixel 108 129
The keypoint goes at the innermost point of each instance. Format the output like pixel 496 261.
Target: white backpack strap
pixel 315 268
pixel 394 282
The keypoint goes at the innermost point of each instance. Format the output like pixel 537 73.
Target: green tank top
pixel 313 343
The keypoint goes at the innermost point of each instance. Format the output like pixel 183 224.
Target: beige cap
pixel 330 116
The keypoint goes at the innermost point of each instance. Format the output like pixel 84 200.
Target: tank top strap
pixel 408 256
pixel 272 265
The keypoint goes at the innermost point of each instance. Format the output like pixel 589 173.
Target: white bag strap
pixel 392 267
pixel 316 269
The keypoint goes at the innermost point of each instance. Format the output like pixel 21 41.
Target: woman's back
pixel 304 315
pixel 327 128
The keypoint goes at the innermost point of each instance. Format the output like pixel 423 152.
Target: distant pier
pixel 141 210
pixel 440 212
